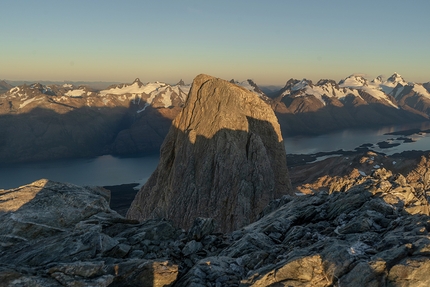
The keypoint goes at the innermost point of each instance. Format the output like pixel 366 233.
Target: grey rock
pixel 119 251
pixel 88 248
pixel 79 268
pixel 306 271
pixel 29 280
pixel 370 274
pixel 145 273
pixel 364 235
pixel 251 242
pixel 44 208
pixel 68 280
pixel 201 227
pixel 192 247
pixel 213 270
pixel 223 158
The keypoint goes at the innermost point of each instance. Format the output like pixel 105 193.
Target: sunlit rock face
pixel 222 158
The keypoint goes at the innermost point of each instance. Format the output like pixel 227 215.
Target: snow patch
pixel 144 108
pixel 300 85
pixel 14 90
pixel 166 98
pixel 75 93
pixel 354 81
pixel 134 88
pixel 247 85
pixel 419 89
pixel 26 102
pixel 374 88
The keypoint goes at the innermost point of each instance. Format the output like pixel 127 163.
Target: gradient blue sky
pixel 267 41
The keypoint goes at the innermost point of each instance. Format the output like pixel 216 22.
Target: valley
pixel 116 170
pixel 57 121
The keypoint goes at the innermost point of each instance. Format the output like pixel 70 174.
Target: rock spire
pixel 223 158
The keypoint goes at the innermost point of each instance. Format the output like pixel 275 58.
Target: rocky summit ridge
pixel 370 230
pixel 223 158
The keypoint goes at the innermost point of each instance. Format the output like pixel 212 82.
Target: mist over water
pixel 110 170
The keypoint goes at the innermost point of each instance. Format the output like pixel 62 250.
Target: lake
pixel 110 170
pixel 349 139
pixel 100 171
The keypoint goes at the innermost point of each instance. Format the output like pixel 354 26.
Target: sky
pixel 268 41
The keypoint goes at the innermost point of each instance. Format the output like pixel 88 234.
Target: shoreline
pixel 122 195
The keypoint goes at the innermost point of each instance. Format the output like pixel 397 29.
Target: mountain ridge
pixel 142 112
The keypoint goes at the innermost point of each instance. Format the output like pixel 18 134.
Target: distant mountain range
pixel 40 121
pixel 354 101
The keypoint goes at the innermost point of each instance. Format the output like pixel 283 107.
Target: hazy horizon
pixel 269 42
pixel 280 85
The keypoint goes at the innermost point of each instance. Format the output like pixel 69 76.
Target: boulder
pixel 201 227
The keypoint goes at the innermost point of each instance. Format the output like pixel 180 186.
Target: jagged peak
pixel 138 82
pixel 396 78
pixel 291 82
pixel 253 84
pixel 301 85
pixel 36 86
pixel 354 80
pixel 250 85
pixel 181 83
pixel 379 79
pixel 323 82
pixel 255 87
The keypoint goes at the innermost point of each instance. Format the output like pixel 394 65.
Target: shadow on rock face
pixel 222 158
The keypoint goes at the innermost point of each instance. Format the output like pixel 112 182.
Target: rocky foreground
pixel 351 230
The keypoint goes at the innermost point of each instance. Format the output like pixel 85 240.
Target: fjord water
pixel 110 170
pixel 99 171
pixel 349 139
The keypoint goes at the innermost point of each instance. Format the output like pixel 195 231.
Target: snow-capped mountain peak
pixel 67 86
pixel 251 86
pixel 301 85
pixel 137 87
pixel 137 82
pixel 378 80
pixel 396 79
pixel 355 80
